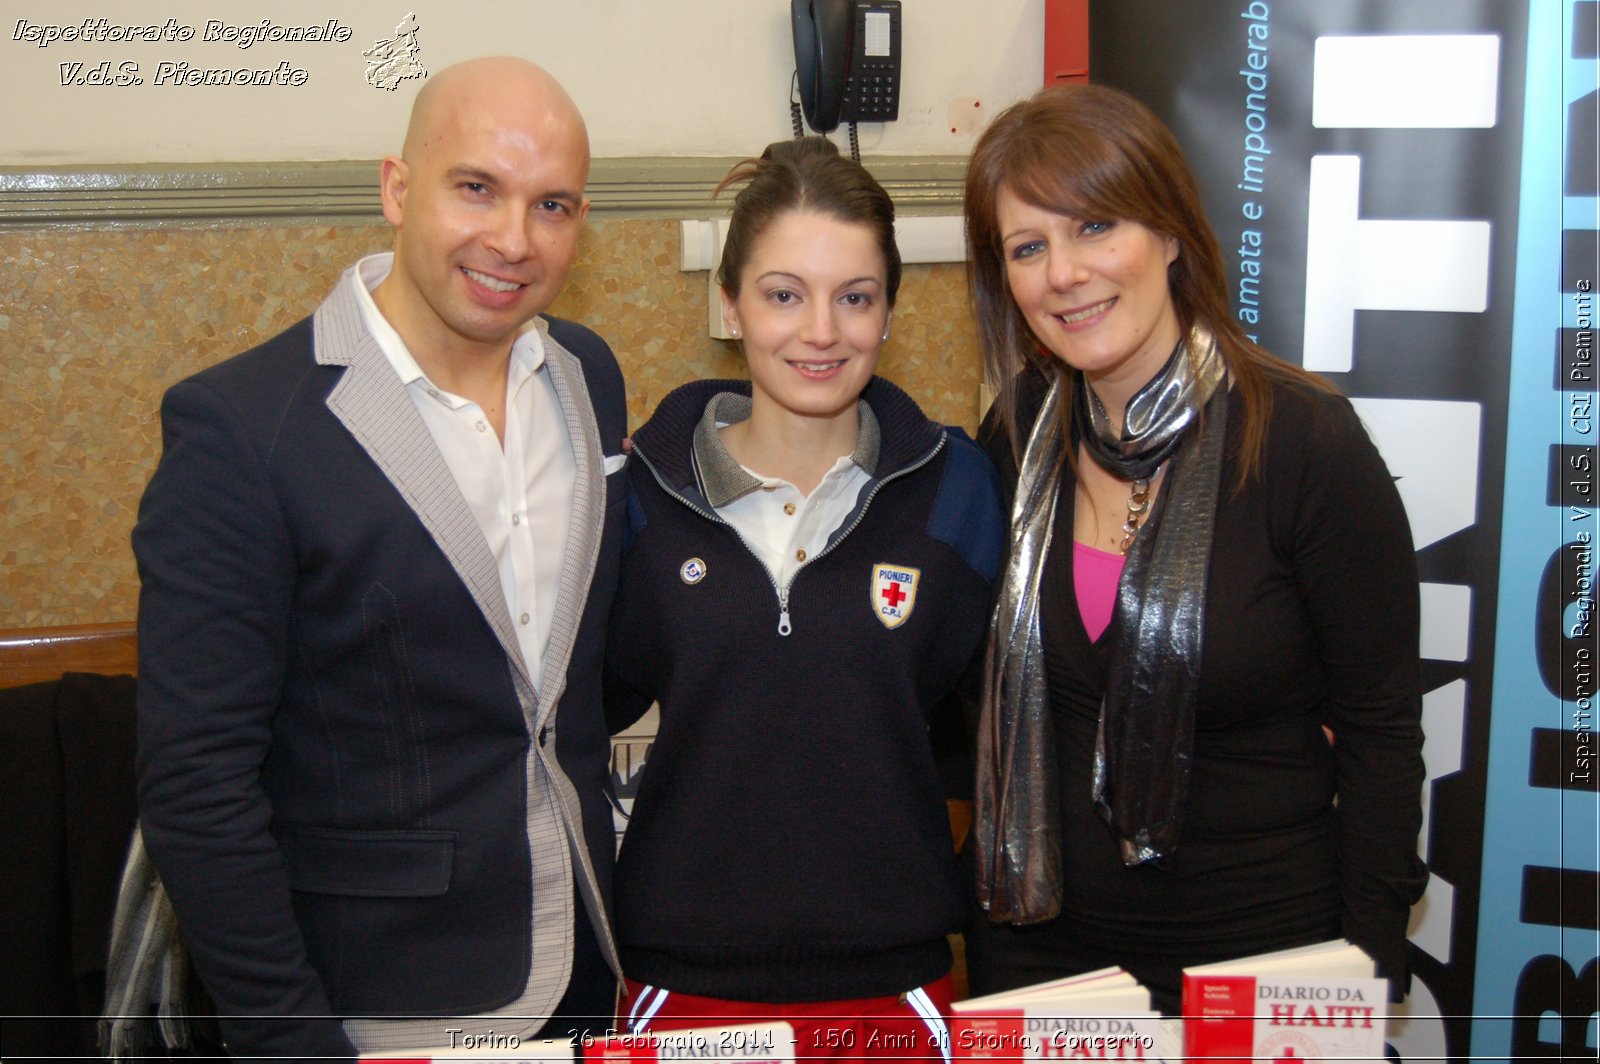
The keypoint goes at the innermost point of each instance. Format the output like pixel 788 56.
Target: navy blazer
pixel 337 733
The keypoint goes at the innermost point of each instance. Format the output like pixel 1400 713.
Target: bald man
pixel 377 558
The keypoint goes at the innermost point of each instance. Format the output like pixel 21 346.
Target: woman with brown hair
pixel 805 592
pixel 1201 728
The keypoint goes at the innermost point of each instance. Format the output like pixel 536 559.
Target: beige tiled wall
pixel 95 324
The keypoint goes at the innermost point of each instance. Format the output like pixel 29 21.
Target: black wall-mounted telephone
pixel 847 60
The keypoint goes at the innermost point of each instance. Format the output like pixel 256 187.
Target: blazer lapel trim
pixel 588 514
pixel 378 411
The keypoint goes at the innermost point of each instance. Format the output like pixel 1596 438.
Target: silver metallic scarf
pixel 1016 817
pixel 1144 745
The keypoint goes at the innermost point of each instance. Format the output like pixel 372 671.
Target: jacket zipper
pixel 785 627
pixel 861 513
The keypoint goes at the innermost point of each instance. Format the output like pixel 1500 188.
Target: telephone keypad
pixel 872 93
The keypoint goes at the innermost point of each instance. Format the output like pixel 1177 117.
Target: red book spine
pixel 997 1035
pixel 1219 1018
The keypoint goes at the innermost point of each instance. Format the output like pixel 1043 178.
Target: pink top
pixel 1094 577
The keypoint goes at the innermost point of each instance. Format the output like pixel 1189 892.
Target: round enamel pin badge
pixel 693 571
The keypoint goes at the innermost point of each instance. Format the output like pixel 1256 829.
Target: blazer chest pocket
pixel 368 864
pixel 616 467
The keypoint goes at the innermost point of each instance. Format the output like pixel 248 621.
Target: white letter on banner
pixel 1364 264
pixel 1444 714
pixel 1446 617
pixel 1405 82
pixel 1431 448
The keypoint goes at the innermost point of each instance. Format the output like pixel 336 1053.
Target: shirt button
pixel 516 519
pixel 799 555
pixel 788 508
pixel 482 427
pixel 434 392
pixel 523 618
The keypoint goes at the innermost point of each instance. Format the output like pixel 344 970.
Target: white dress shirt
pixel 785 528
pixel 782 526
pixel 520 493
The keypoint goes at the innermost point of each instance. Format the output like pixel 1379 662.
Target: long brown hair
pixel 1093 152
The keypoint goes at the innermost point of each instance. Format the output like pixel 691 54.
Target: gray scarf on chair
pixel 148 978
pixel 1145 741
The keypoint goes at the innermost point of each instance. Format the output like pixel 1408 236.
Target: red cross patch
pixel 894 593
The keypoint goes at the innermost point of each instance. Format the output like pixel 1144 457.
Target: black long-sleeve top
pixel 1311 619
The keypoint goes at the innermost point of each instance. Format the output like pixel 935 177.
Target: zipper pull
pixel 784 627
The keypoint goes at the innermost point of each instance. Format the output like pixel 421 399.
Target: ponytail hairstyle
pixel 804 174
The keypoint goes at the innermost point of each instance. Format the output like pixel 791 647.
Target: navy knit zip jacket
pixel 789 841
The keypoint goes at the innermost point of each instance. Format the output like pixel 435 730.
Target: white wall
pixel 653 77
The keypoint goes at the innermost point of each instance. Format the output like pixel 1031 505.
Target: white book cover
pixel 1100 1015
pixel 1318 1002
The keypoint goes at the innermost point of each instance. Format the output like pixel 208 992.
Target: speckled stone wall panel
pixel 95 325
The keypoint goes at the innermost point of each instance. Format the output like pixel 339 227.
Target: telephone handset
pixel 847 60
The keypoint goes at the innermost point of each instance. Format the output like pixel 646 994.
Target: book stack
pixel 1320 1002
pixel 1103 1015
